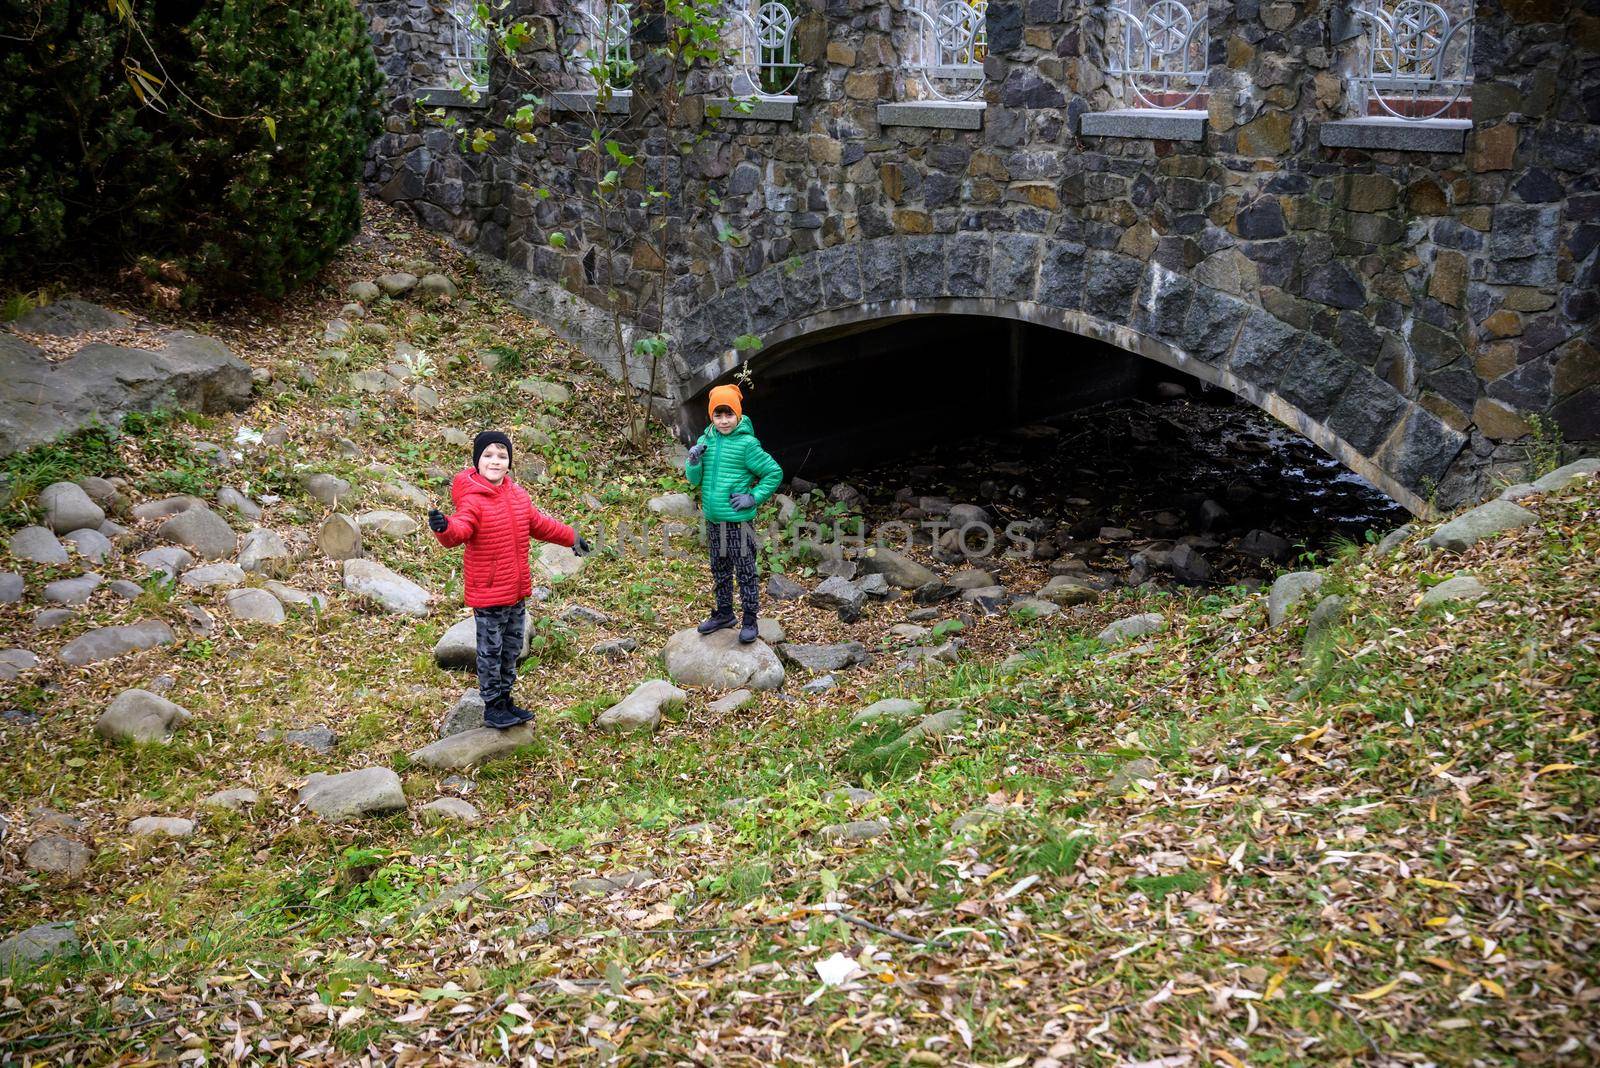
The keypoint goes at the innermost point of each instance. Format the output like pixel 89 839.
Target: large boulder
pixel 41 398
pixel 370 581
pixel 457 650
pixel 107 643
pixel 1288 591
pixel 353 794
pixel 719 661
pixel 201 531
pixel 898 568
pixel 641 710
pixel 1469 528
pixel 38 545
pixel 38 942
pixel 140 716
pixel 470 748
pixel 1562 477
pixel 67 508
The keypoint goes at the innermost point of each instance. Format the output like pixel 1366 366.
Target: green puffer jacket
pixel 733 463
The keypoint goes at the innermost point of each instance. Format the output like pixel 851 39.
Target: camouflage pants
pixel 732 548
pixel 500 633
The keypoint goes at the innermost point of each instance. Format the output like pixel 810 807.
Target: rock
pixel 365 292
pixel 109 642
pixel 70 318
pixel 614 648
pixel 425 397
pixel 50 618
pixel 90 544
pixel 447 810
pixel 212 576
pixel 720 662
pixel 370 581
pixel 873 585
pixel 1066 590
pixel 254 606
pixel 198 620
pixel 934 725
pixel 1460 588
pixel 819 658
pixel 1189 566
pixel 140 717
pixel 397 284
pixel 39 942
pixel 465 715
pixel 989 598
pixel 11 587
pixel 606 884
pixel 1131 772
pixel 56 854
pixel 14 662
pixel 1125 630
pixel 1289 590
pixel 165 507
pixel 1264 545
pixel 1328 614
pixel 900 570
pixel 837 593
pixel 836 566
pixel 641 710
pixel 73 590
pixel 1469 528
pixel 168 560
pixel 457 649
pixel 353 794
pixel 329 489
pixel 161 826
pixel 674 506
pixel 783 588
pixel 112 531
pixel 1034 608
pixel 933 592
pixel 545 392
pixel 37 545
pixel 977 817
pixel 128 591
pixel 909 632
pixel 731 702
pixel 1562 477
pixel 854 831
pixel 404 493
pixel 300 598
pixel 234 800
pixel 67 507
pixel 580 615
pixel 557 562
pixel 234 501
pixel 852 795
pixel 897 708
pixel 264 552
pixel 201 531
pixel 947 653
pixel 971 578
pixel 339 538
pixel 470 748
pixel 388 524
pixel 42 399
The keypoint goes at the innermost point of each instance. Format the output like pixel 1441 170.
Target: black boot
pixel 522 714
pixel 750 631
pixel 499 715
pixel 717 621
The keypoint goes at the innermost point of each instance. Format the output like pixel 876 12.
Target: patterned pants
pixel 500 631
pixel 732 548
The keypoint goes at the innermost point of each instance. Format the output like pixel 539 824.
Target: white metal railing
pixel 469 48
pixel 1416 57
pixel 763 56
pixel 1158 48
pixel 952 43
pixel 602 42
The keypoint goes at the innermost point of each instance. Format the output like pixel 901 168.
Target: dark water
pixel 1206 471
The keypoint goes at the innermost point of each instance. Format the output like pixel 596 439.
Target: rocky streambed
pixel 1181 490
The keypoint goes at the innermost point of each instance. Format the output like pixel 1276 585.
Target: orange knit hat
pixel 728 395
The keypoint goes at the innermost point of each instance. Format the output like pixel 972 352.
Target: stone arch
pixel 1294 375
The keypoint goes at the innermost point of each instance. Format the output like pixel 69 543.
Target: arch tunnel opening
pixel 1105 456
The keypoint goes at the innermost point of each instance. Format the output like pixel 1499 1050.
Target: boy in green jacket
pixel 736 476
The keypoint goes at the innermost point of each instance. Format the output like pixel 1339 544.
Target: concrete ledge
pixel 1398 135
pixel 764 108
pixel 938 114
pixel 621 101
pixel 445 97
pixel 1150 123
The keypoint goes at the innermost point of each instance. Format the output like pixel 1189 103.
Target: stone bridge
pixel 1418 298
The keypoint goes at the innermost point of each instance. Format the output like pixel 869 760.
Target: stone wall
pixel 414 41
pixel 1452 296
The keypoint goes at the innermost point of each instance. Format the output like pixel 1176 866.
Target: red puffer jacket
pixel 495 524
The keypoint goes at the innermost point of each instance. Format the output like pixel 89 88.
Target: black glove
pixel 581 546
pixel 436 521
pixel 698 451
pixel 740 501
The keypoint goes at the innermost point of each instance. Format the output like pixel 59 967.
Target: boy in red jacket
pixel 495 519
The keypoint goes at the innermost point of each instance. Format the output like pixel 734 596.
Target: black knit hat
pixel 487 438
